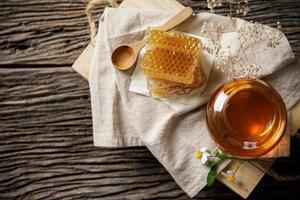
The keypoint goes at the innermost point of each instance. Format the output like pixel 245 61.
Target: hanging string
pixel 230 4
pixel 88 11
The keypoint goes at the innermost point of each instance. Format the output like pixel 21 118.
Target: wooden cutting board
pixel 250 173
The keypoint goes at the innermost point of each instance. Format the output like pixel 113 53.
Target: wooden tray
pixel 250 173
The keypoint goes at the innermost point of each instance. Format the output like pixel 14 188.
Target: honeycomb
pixel 161 88
pixel 172 63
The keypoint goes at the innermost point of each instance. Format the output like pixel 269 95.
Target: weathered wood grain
pixel 46 146
pixel 47 152
pixel 55 32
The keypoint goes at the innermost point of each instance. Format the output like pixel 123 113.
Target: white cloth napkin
pixel 123 118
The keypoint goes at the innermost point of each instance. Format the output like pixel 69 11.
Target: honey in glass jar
pixel 246 117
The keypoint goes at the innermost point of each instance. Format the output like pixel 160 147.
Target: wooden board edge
pixel 249 172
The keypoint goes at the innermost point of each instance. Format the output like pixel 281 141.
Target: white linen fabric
pixel 123 118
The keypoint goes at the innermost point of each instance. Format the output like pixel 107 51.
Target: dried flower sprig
pixel 237 65
pixel 261 34
pixel 241 6
pixel 214 160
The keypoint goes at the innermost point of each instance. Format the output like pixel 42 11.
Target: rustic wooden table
pixel 46 146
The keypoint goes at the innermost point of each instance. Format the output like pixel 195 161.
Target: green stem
pixel 229 157
pixel 238 167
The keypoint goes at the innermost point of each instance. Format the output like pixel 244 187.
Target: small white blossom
pixel 230 176
pixel 203 155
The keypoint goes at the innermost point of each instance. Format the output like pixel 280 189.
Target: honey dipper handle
pixel 178 18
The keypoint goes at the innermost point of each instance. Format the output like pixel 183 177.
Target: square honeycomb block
pixel 172 56
pixel 161 88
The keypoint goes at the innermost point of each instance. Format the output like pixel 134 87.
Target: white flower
pixel 230 176
pixel 203 155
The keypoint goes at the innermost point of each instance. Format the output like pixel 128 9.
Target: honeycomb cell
pixel 172 63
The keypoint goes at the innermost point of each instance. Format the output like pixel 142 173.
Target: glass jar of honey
pixel 246 117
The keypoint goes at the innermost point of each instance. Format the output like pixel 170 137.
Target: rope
pixel 284 178
pixel 88 11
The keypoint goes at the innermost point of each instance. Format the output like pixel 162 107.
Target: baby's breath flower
pixel 279 25
pixel 241 6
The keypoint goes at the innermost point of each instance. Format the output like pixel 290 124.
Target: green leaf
pixel 211 176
